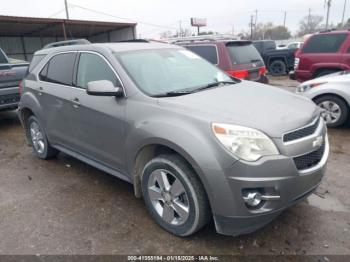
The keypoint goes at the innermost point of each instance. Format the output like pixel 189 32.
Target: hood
pixel 342 76
pixel 269 109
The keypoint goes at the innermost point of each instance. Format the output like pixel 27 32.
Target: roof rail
pixel 134 41
pixel 68 42
pixel 209 38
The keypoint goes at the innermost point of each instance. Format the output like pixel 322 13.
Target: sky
pixel 156 16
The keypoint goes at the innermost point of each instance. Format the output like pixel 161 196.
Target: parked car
pixel 237 58
pixel 278 61
pixel 11 74
pixel 322 54
pixel 332 94
pixel 194 142
pixel 293 45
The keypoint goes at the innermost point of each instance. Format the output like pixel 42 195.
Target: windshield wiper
pixel 194 90
pixel 214 84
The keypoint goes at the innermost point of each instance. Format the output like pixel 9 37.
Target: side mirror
pixel 103 88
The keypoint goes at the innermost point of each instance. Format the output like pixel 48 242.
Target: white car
pixel 292 45
pixel 331 93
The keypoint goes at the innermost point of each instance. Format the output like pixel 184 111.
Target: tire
pixel 325 72
pixel 337 111
pixel 37 137
pixel 277 68
pixel 162 204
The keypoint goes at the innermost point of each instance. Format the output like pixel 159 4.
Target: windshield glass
pixel 161 71
pixel 243 54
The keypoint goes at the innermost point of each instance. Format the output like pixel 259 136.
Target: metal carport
pixel 20 37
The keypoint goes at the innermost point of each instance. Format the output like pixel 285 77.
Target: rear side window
pixel 207 52
pixel 59 70
pixel 325 43
pixel 269 45
pixel 93 68
pixel 36 60
pixel 243 54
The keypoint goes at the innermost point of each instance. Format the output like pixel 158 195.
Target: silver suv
pixel 195 143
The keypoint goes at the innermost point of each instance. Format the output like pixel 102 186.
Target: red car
pixel 238 58
pixel 322 54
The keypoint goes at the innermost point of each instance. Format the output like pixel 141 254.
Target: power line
pixel 119 17
pixel 58 12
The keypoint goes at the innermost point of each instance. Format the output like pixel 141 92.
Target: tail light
pixel 241 74
pixel 262 70
pixel 20 88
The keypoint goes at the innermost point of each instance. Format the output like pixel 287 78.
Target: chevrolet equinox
pixel 195 143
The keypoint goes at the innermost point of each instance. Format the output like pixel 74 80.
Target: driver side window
pixel 92 67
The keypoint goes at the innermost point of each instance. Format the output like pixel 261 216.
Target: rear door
pixel 54 91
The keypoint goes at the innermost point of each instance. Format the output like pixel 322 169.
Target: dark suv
pixel 238 58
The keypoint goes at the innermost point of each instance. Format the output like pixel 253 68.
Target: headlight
pixel 245 143
pixel 304 88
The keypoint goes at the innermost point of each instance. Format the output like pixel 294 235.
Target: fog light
pixel 253 199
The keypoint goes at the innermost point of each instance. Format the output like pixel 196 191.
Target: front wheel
pixel 335 110
pixel 174 196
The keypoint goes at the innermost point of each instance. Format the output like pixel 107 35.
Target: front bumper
pixel 235 226
pixel 274 176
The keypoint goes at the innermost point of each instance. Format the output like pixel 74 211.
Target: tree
pixel 270 31
pixel 277 33
pixel 310 24
pixel 344 26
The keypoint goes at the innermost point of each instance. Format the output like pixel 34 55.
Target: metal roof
pixel 52 27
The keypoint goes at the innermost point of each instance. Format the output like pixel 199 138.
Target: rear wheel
pixel 174 196
pixel 277 68
pixel 38 139
pixel 335 112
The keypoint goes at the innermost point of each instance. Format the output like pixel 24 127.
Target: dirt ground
pixel 64 206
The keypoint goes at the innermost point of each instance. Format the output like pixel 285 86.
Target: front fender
pixel 192 140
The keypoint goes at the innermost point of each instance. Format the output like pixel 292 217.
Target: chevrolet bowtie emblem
pixel 318 141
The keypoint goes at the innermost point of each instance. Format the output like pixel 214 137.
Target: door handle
pixel 76 102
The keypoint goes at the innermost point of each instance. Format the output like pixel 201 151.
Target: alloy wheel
pixel 332 111
pixel 168 197
pixel 37 138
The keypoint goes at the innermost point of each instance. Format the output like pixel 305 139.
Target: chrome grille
pixel 302 132
pixel 309 160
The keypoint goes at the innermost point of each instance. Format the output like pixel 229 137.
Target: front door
pixel 99 122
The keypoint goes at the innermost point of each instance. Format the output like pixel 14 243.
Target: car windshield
pixel 243 54
pixel 163 71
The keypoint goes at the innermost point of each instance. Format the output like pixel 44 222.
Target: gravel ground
pixel 64 206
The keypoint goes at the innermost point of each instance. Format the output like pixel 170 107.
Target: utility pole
pixel 308 21
pixel 285 18
pixel 343 17
pixel 328 9
pixel 66 6
pixel 256 21
pixel 251 27
pixel 180 32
